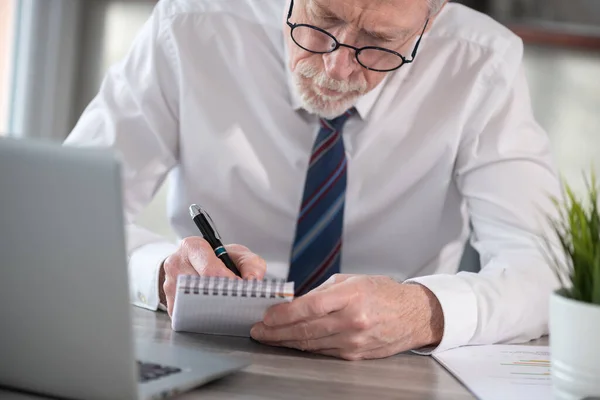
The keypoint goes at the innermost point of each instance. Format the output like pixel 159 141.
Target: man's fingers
pixel 340 353
pixel 355 355
pixel 381 352
pixel 303 330
pixel 174 266
pixel 347 343
pixel 196 257
pixel 313 305
pixel 251 266
pixel 329 352
pixel 202 257
pixel 311 345
pixel 337 352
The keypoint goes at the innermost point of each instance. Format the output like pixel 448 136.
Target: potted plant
pixel 575 306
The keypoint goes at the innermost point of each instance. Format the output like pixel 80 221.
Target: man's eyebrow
pixel 398 33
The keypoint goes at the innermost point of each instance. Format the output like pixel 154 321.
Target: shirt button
pixel 142 297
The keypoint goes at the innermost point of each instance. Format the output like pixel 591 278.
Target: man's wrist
pixel 161 282
pixel 433 329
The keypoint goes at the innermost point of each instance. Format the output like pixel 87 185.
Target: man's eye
pixel 386 40
pixel 327 20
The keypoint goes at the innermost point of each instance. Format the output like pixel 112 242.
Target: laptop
pixel 65 316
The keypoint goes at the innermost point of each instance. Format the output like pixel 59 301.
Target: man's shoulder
pixel 263 11
pixel 460 23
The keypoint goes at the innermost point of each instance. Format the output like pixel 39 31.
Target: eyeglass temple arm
pixel 414 53
pixel 290 11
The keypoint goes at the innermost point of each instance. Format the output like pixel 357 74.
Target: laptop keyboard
pixel 149 372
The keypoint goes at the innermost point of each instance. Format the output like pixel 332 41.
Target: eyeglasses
pixel 319 41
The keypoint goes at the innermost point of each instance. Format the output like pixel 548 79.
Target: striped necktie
pixel 317 246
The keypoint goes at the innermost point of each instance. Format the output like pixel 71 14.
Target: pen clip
pixel 211 223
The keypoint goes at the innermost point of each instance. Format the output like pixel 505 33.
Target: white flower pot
pixel 574 348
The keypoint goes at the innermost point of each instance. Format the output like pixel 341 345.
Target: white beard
pixel 325 106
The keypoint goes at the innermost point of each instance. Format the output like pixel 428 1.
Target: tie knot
pixel 338 122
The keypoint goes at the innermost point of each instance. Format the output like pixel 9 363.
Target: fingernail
pixel 251 276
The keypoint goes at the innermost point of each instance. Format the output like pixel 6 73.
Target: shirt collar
pixel 363 105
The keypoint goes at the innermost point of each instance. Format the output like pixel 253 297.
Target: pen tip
pixel 194 210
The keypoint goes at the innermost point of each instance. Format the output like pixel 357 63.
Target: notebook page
pixel 225 306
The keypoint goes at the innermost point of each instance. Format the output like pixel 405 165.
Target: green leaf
pixel 577 229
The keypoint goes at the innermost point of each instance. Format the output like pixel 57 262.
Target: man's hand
pixel 355 317
pixel 196 257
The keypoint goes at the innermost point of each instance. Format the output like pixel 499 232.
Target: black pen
pixel 211 235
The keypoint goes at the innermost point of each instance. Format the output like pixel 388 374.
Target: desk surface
pixel 283 373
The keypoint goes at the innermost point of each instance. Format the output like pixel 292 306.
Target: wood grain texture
pixel 278 373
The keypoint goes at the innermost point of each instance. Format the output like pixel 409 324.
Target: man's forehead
pixel 369 5
pixel 386 12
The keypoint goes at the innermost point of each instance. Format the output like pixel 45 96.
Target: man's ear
pixel 434 16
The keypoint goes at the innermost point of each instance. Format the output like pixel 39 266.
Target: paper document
pixel 501 372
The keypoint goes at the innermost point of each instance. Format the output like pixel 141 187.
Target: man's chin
pixel 328 109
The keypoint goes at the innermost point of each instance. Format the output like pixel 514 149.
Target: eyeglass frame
pixel 357 50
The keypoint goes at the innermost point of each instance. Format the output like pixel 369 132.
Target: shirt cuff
pixel 459 306
pixel 144 266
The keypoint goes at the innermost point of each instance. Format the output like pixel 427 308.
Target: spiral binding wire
pixel 222 286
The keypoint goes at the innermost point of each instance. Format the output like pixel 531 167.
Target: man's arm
pixel 136 113
pixel 505 172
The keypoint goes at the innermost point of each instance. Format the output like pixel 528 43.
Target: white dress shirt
pixel 205 96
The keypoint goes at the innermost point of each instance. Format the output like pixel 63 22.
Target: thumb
pixel 251 265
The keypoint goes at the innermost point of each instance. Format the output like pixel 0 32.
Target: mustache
pixel 320 78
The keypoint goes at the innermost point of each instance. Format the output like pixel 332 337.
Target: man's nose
pixel 340 64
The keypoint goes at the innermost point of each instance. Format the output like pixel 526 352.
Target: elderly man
pixel 354 146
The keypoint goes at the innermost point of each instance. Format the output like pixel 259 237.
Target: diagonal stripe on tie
pixel 328 184
pixel 321 269
pixel 316 252
pixel 324 148
pixel 321 224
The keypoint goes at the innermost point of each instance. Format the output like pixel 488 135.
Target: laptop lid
pixel 63 279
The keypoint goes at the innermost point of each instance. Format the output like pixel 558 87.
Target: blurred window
pixel 7 18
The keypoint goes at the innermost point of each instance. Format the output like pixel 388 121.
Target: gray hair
pixel 435 6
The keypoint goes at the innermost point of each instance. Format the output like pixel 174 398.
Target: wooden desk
pixel 283 373
pixel 278 373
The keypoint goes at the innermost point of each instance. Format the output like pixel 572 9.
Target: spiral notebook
pixel 225 306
